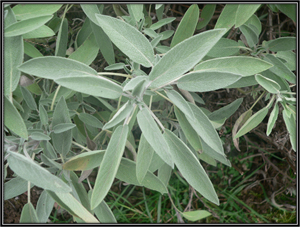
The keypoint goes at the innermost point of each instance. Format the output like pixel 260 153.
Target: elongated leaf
pixel 190 167
pixel 62 39
pixel 13 56
pixel 28 214
pixel 31 171
pixel 53 68
pixel 223 48
pixel 61 141
pixel 254 21
pixel 226 111
pixel 187 25
pixel 180 102
pixel 162 22
pixel 250 34
pixel 26 11
pixel 73 206
pixel 39 136
pixel 205 129
pixel 103 212
pixel 289 57
pixel 92 85
pixel 290 122
pixel 44 207
pixel 102 39
pixel 252 122
pixel 244 12
pixel 133 83
pixel 164 173
pixel 154 136
pixel 145 153
pixel 87 52
pixel 196 215
pixel 289 10
pixel 28 98
pixel 282 44
pixel 90 120
pixel 31 51
pixel 280 69
pixel 15 187
pixel 227 16
pixel 115 66
pixel 183 57
pixel 272 119
pixel 41 32
pixel 245 66
pixel 13 119
pixel 136 11
pixel 188 130
pixel 108 169
pixel 203 81
pixel 122 113
pixel 25 26
pixel 268 84
pixel 63 127
pixel 206 15
pixel 128 39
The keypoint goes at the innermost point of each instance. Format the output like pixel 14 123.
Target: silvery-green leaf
pixel 268 84
pixel 162 22
pixel 13 56
pixel 164 173
pixel 61 141
pixel 110 164
pixel 180 102
pixel 289 57
pixel 227 16
pixel 43 115
pixel 188 130
pixel 272 119
pixel 226 111
pixel 39 136
pixel 183 57
pixel 196 215
pixel 73 206
pixel 136 11
pixel 92 85
pixel 143 159
pixel 139 88
pixel 244 12
pixel 245 66
pixel 90 120
pixel 13 120
pixel 87 52
pixel 26 11
pixel 133 83
pixel 187 25
pixel 208 159
pixel 203 81
pixel 255 21
pixel 44 207
pixel 252 122
pixel 289 10
pixel 63 127
pixel 290 122
pixel 25 26
pixel 41 32
pixel 128 39
pixel 223 48
pixel 15 187
pixel 28 98
pixel 103 212
pixel 28 214
pixel 53 68
pixel 205 129
pixel 115 66
pixel 190 167
pixel 280 69
pixel 244 82
pixel 156 40
pixel 62 39
pixel 206 15
pixel 31 171
pixel 120 115
pixel 154 136
pixel 250 33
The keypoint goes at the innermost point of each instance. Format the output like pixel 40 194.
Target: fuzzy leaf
pixel 44 207
pixel 26 11
pixel 272 119
pixel 196 215
pixel 244 12
pixel 28 214
pixel 268 84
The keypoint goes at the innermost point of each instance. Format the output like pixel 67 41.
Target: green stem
pixel 258 100
pixel 115 74
pixel 56 92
